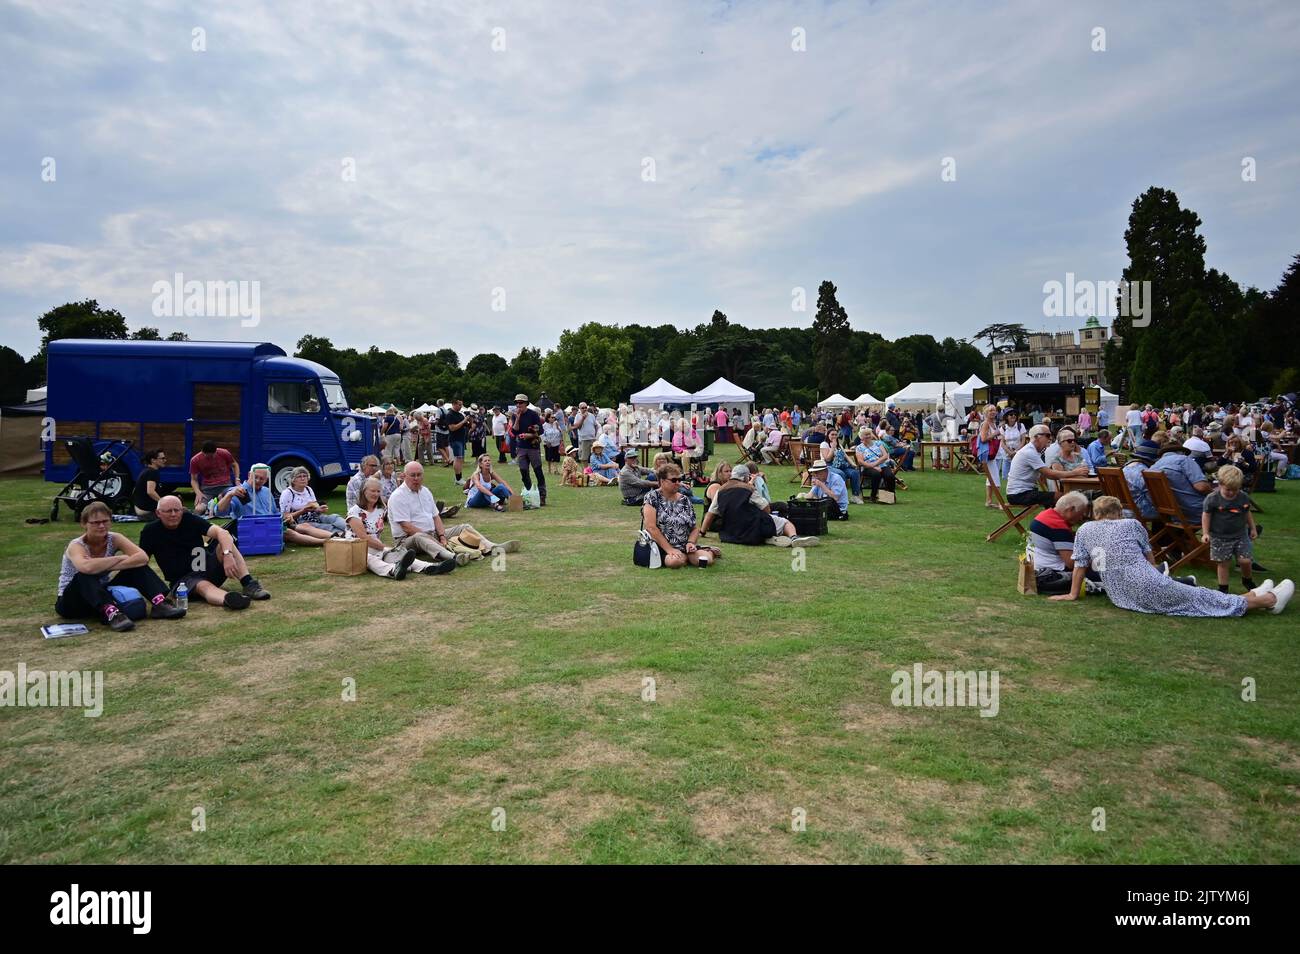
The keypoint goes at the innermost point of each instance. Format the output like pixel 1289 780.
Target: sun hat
pixel 1147 450
pixel 819 465
pixel 521 397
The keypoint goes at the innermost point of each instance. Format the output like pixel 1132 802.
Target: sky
pixel 483 176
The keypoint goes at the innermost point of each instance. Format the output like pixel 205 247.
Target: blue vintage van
pixel 249 397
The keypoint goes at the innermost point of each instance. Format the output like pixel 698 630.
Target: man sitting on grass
pixel 828 483
pixel 745 517
pixel 199 554
pixel 1052 536
pixel 635 482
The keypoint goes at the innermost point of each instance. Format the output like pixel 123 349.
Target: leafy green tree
pixel 831 340
pixel 1165 249
pixel 13 376
pixel 590 363
pixel 488 364
pixel 146 334
pixel 1004 337
pixel 178 336
pixel 78 319
pixel 884 385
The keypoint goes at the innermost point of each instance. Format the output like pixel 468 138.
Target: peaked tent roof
pixel 725 392
pixel 661 392
pixel 836 400
pixel 866 398
pixel 926 393
pixel 971 383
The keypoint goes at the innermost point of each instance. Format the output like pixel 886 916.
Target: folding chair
pixel 1013 517
pixel 1182 533
pixel 797 450
pixel 1113 484
pixel 754 456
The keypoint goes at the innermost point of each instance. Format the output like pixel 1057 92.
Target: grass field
pixel 523 690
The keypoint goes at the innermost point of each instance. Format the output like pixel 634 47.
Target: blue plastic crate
pixel 260 535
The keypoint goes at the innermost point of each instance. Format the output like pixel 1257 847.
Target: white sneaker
pixel 1265 587
pixel 804 541
pixel 856 500
pixel 1284 591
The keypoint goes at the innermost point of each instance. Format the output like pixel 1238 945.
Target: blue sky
pixel 522 168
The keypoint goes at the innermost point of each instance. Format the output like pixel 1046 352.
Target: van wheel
pixel 281 477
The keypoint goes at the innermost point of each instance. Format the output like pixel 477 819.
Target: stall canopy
pixel 866 399
pixel 964 394
pixel 1110 402
pixel 661 392
pixel 928 395
pixel 836 400
pixel 723 391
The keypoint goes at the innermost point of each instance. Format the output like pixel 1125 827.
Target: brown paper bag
pixel 345 557
pixel 885 496
pixel 1027 581
pixel 514 503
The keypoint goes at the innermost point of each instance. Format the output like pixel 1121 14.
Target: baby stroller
pixel 103 478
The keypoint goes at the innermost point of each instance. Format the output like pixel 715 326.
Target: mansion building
pixel 1077 360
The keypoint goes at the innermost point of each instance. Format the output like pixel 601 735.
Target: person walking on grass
pixel 1228 524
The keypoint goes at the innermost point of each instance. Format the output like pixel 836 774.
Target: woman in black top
pixel 148 488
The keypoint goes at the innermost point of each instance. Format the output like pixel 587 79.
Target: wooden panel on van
pixel 120 431
pixel 169 437
pixel 226 435
pixel 64 429
pixel 218 402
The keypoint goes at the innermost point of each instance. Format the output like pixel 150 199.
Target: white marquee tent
pixel 836 400
pixel 661 392
pixel 963 397
pixel 1110 404
pixel 865 399
pixel 723 391
pixel 929 395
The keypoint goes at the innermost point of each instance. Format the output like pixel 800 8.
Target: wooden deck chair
pixel 1113 484
pixel 797 451
pixel 1013 516
pixel 1182 533
pixel 746 456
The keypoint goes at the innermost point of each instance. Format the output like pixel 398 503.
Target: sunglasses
pixel 671 480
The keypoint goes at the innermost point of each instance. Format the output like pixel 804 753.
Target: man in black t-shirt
pixel 148 488
pixel 455 421
pixel 528 445
pixel 202 555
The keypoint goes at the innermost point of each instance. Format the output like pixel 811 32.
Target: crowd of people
pixel 1208 457
pixel 1208 454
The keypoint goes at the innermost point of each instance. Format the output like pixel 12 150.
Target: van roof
pixel 154 349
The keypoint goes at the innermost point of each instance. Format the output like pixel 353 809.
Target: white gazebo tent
pixel 723 393
pixel 661 393
pixel 964 395
pixel 930 395
pixel 1110 404
pixel 866 400
pixel 836 400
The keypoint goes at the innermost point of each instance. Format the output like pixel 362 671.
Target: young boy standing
pixel 1228 523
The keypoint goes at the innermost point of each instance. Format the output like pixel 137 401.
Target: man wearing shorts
pixel 199 554
pixel 455 421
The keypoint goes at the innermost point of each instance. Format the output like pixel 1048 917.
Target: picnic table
pixel 958 457
pixel 1083 484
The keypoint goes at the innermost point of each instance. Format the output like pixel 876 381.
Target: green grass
pixel 522 690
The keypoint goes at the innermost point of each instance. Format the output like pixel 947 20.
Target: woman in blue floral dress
pixel 1118 548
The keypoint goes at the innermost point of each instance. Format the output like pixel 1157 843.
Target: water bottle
pixel 182 597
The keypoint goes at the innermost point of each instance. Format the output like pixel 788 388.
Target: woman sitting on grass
pixel 721 474
pixel 1119 549
pixel 366 522
pixel 88 563
pixel 487 488
pixel 253 498
pixel 669 516
pixel 300 508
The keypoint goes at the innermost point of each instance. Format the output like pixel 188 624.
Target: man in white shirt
pixel 772 446
pixel 414 517
pixel 499 422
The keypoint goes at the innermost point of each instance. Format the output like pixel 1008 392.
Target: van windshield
pixel 334 396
